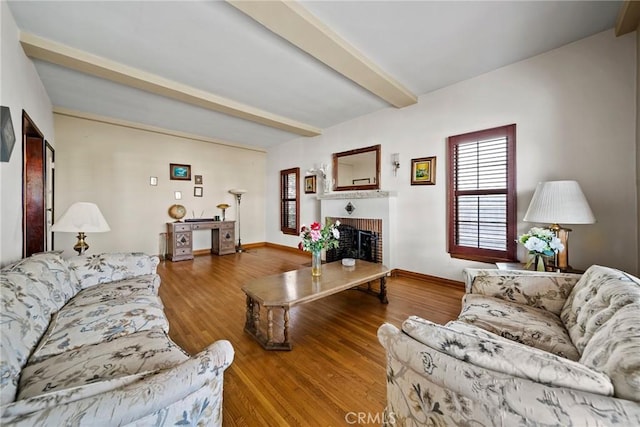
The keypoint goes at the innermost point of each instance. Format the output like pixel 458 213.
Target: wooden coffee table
pixel 298 287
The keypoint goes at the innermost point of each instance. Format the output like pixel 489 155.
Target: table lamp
pixel 238 192
pixel 81 218
pixel 223 207
pixel 558 202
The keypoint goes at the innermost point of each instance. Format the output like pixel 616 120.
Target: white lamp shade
pixel 559 202
pixel 82 217
pixel 237 191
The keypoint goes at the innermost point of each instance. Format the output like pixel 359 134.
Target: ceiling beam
pixel 289 20
pixel 75 59
pixel 61 111
pixel 628 17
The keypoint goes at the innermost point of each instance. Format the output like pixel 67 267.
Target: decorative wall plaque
pixel 349 208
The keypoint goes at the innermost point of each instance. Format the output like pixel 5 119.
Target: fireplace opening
pixel 355 243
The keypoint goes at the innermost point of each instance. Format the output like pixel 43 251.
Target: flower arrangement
pixel 315 237
pixel 540 242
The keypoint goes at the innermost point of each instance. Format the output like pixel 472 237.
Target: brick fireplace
pixel 369 211
pixel 360 238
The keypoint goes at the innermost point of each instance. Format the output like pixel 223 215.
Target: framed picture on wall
pixel 180 172
pixel 197 191
pixel 310 184
pixel 423 171
pixel 7 135
pixel 198 179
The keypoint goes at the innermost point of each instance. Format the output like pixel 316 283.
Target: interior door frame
pixel 49 193
pixel 34 182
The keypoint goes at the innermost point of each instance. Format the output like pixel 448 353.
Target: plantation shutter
pixel 290 204
pixel 482 202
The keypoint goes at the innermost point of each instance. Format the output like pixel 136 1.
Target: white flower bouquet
pixel 540 242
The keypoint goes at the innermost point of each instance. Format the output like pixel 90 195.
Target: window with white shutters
pixel 289 201
pixel 482 195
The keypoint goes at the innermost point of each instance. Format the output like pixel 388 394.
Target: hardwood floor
pixel 336 367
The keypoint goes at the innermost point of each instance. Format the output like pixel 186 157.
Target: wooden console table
pixel 180 238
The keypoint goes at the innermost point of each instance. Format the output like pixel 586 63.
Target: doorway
pixel 37 189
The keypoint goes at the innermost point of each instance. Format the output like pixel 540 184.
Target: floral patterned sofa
pixel 84 342
pixel 528 348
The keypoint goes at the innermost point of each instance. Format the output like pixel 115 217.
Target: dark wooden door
pixel 34 226
pixel 37 189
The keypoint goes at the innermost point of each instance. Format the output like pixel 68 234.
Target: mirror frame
pixel 336 157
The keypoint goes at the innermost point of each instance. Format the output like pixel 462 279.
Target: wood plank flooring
pixel 337 365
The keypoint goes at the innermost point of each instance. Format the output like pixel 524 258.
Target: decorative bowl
pixel 348 262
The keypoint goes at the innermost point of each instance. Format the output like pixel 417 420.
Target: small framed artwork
pixel 7 135
pixel 153 180
pixel 180 172
pixel 198 179
pixel 310 184
pixel 197 191
pixel 423 171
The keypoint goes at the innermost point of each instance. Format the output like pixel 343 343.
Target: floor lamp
pixel 238 193
pixel 558 202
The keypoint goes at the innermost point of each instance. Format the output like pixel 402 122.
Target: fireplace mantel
pixel 346 195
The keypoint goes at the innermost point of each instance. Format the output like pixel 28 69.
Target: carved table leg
pixel 286 327
pixel 256 318
pixel 269 326
pixel 383 290
pixel 248 324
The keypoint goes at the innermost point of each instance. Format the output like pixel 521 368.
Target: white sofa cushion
pixel 533 288
pixel 138 353
pixel 31 291
pixel 615 350
pixel 73 327
pixel 532 326
pixel 110 267
pixel 24 317
pixel 471 344
pixel 602 315
pixel 595 299
pixel 52 271
pixel 122 289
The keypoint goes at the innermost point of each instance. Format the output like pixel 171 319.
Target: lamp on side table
pixel 558 202
pixel 81 217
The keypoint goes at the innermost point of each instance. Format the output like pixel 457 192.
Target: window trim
pixel 284 174
pixel 479 254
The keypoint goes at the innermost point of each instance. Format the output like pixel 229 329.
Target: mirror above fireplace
pixel 357 169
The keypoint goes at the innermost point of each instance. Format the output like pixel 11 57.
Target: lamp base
pixel 561 259
pixel 81 246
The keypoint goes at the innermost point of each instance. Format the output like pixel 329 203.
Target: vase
pixel 539 263
pixel 316 263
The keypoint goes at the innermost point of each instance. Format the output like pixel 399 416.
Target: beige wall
pixel 575 110
pixel 638 135
pixel 20 89
pixel 110 165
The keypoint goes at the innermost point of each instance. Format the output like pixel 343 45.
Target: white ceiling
pixel 212 46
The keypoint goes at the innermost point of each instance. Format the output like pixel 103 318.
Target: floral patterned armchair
pixel 529 348
pixel 84 342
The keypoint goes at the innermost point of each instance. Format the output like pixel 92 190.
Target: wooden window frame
pixel 475 253
pixel 284 174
